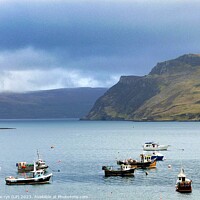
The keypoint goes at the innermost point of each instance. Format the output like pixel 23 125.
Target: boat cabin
pixel 145 158
pixel 40 163
pixel 182 176
pixel 125 167
pixel 38 173
pixel 151 144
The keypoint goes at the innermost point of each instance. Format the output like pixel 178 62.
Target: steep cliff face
pixel 181 65
pixel 171 91
pixel 124 98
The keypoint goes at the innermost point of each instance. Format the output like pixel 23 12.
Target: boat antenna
pixel 38 154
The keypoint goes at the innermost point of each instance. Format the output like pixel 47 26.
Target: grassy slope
pixel 170 92
pixel 178 99
pixel 123 99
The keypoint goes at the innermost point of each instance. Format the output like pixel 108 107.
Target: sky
pixel 48 44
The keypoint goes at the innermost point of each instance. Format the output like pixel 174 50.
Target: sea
pixel 75 152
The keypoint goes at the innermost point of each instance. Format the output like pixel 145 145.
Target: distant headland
pixel 170 92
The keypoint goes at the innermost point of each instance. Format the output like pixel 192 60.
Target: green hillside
pixel 171 91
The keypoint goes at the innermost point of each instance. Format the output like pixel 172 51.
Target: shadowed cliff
pixel 58 103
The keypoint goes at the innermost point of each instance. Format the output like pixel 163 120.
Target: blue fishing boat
pixel 158 156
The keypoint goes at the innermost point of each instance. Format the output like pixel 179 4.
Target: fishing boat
pixel 25 167
pixel 158 156
pixel 145 162
pixel 37 177
pixel 124 170
pixel 154 146
pixel 183 184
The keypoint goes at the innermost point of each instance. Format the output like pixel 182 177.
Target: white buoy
pixel 169 166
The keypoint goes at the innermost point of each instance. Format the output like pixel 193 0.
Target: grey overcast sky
pixel 48 44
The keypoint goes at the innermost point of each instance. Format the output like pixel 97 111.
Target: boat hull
pixel 184 189
pixel 156 148
pixel 129 172
pixel 28 181
pixel 117 173
pixel 158 158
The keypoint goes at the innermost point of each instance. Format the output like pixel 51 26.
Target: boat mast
pixel 38 154
pixel 34 169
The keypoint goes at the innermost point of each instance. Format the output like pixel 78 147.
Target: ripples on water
pixel 82 148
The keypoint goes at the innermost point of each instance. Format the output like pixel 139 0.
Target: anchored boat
pixel 124 170
pixel 25 167
pixel 145 162
pixel 154 146
pixel 183 184
pixel 38 177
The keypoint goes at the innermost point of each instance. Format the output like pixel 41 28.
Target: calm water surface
pixel 82 147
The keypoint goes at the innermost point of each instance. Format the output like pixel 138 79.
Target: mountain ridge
pixel 55 103
pixel 170 92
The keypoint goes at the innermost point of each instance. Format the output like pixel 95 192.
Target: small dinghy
pixel 38 177
pixel 183 184
pixel 124 170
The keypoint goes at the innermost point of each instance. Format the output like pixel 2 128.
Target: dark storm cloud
pixel 81 29
pixel 96 37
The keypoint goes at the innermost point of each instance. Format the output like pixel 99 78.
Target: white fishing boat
pixel 37 177
pixel 183 184
pixel 154 146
